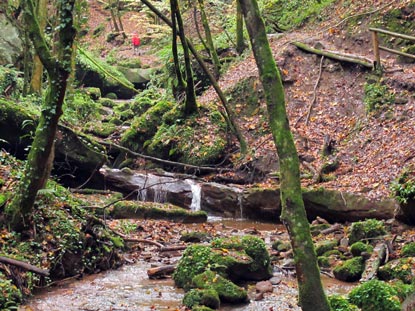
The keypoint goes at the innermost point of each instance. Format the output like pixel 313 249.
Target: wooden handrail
pixel 377 47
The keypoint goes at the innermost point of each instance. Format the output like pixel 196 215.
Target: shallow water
pixel 129 288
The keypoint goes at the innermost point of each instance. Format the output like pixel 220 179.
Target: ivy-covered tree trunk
pixel 240 44
pixel 37 72
pixel 190 104
pixel 180 86
pixel 311 293
pixel 58 67
pixel 209 40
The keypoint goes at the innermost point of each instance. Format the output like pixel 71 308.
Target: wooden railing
pixel 377 47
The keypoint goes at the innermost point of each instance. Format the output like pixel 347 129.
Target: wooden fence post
pixel 376 50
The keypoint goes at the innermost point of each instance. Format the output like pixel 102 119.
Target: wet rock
pixel 264 287
pixel 275 280
pixel 11 46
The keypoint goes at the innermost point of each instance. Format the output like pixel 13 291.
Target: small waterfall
pixel 196 194
pixel 156 185
pixel 240 204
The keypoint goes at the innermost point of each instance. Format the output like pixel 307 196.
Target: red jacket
pixel 136 41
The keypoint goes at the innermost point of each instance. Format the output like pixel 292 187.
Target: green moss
pixel 359 247
pixel 106 102
pixel 80 108
pixel 325 246
pixel 404 187
pixel 227 291
pixel 101 129
pixel 3 198
pixel 400 269
pixel 377 96
pixel 202 297
pixel 323 261
pixel 145 126
pixel 253 247
pixel 375 295
pixel 370 228
pixel 340 303
pixel 201 308
pixel 408 250
pixel 111 95
pixel 350 270
pixel 281 246
pixel 94 93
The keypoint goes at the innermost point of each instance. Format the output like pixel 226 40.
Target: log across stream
pixel 129 288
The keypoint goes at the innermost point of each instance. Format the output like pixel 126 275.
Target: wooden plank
pixel 384 48
pixel 394 34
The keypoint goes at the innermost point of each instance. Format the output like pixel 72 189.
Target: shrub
pixel 375 295
pixel 377 96
pixel 408 250
pixel 340 303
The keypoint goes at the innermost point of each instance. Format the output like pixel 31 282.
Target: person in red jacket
pixel 136 43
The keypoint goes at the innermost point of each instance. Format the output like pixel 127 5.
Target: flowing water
pixel 130 289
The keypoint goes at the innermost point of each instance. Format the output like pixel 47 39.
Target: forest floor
pixel 371 148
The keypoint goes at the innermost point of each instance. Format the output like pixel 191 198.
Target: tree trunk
pixel 180 87
pixel 190 104
pixel 240 44
pixel 37 74
pixel 58 67
pixel 209 40
pixel 118 14
pixel 311 293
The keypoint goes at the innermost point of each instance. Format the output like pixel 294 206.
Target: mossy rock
pixel 101 129
pixel 323 261
pixel 325 246
pixel 111 95
pixel 408 250
pixel 281 246
pixel 202 297
pixel 340 303
pixel 255 248
pixel 201 308
pixel 375 295
pixel 145 126
pixel 93 92
pixel 367 229
pixel 359 247
pixel 195 237
pixel 350 270
pixel 317 228
pixel 227 290
pixel 402 269
pixel 149 210
pixel 106 102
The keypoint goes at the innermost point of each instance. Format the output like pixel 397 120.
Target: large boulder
pixel 11 46
pixel 74 153
pixel 137 76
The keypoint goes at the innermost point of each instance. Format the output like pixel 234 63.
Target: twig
pixel 133 240
pixel 158 160
pixel 315 91
pixel 24 265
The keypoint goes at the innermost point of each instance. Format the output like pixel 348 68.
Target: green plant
pixel 126 226
pixel 403 188
pixel 340 303
pixel 377 95
pixel 375 295
pixel 408 250
pixel 10 295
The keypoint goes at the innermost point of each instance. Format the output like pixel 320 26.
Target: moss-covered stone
pixel 145 126
pixel 359 247
pixel 370 228
pixel 340 303
pixel 281 246
pixel 408 250
pixel 375 295
pixel 111 95
pixel 256 249
pixel 106 102
pixel 402 269
pixel 93 92
pixel 135 209
pixel 323 261
pixel 202 297
pixel 325 246
pixel 350 270
pixel 101 129
pixel 317 228
pixel 227 291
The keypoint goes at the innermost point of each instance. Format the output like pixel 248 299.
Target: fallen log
pixel 173 248
pixel 350 58
pixel 160 272
pixel 24 265
pixel 373 263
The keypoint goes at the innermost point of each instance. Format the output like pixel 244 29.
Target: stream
pixel 129 288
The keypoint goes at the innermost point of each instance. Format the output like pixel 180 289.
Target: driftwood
pixel 24 265
pixel 160 272
pixel 350 58
pixel 333 228
pixel 184 166
pixel 373 263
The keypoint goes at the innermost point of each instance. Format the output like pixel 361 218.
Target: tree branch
pixel 24 265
